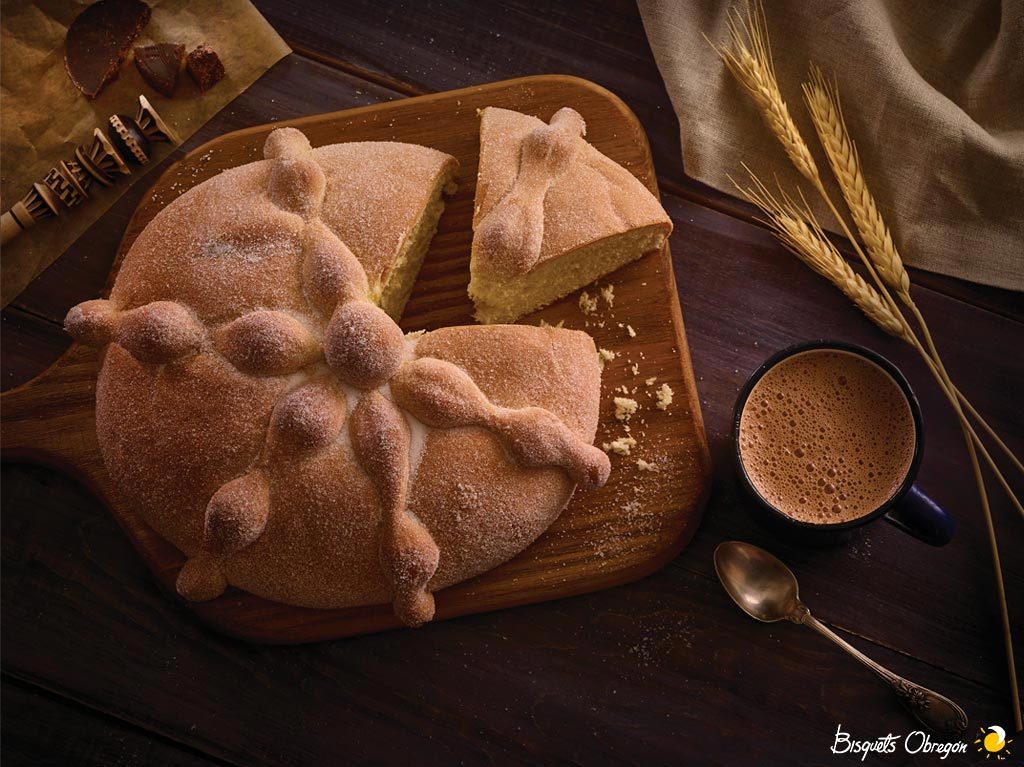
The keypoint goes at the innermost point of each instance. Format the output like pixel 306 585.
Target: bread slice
pixel 552 214
pixel 377 189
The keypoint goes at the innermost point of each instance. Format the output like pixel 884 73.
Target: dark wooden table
pixel 102 668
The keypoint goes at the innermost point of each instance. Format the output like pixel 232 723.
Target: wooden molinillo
pixel 67 184
pixel 634 525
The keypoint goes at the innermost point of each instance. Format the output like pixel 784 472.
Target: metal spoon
pixel 766 589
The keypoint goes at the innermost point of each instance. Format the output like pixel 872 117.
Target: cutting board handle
pixel 51 419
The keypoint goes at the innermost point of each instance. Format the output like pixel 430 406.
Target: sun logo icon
pixel 992 741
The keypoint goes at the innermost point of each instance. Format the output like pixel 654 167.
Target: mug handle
pixel 921 517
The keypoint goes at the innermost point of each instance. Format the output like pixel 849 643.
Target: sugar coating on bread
pixel 264 414
pixel 552 214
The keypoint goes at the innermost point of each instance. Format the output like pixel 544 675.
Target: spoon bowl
pixel 758 582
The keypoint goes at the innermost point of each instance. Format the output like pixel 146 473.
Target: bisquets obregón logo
pixel 992 742
pixel 916 742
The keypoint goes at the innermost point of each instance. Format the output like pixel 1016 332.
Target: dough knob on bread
pixel 267 342
pixel 331 273
pixel 513 233
pixel 201 579
pixel 308 418
pixel 297 185
pixel 286 143
pixel 160 332
pixel 297 182
pixel 363 345
pixel 93 323
pixel 536 437
pixel 552 147
pixel 439 394
pixel 410 556
pixel 237 514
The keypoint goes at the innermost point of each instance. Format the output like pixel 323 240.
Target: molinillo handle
pixel 931 710
pixel 921 517
pixel 9 227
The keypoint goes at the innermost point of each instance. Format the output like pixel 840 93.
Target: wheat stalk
pixel 799 231
pixel 823 104
pixel 749 58
pixel 795 226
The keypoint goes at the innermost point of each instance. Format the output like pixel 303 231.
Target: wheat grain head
pixel 749 58
pixel 822 99
pixel 798 230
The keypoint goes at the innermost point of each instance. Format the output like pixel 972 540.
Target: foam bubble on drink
pixel 827 436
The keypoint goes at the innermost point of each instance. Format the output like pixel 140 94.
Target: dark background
pixel 100 667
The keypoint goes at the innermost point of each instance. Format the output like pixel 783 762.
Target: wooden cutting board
pixel 634 525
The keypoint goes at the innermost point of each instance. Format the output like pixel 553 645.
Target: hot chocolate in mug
pixel 828 438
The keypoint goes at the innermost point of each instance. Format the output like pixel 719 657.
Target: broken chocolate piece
pixel 205 67
pixel 160 65
pixel 99 40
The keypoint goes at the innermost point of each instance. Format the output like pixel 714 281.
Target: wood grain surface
pixel 662 670
pixel 628 529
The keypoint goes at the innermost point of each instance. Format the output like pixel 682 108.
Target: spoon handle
pixel 936 712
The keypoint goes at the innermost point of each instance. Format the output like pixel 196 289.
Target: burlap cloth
pixel 932 92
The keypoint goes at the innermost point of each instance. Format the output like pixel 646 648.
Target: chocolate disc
pixel 98 41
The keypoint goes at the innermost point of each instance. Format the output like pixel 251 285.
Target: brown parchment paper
pixel 43 117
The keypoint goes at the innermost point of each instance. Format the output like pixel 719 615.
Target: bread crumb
pixel 645 466
pixel 635 368
pixel 663 397
pixel 545 324
pixel 625 408
pixel 608 294
pixel 605 356
pixel 620 446
pixel 650 381
pixel 588 303
pixel 629 329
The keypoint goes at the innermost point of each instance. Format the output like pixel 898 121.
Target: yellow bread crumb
pixel 620 446
pixel 663 397
pixel 625 408
pixel 608 294
pixel 588 303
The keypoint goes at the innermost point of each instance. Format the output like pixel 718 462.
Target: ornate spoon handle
pixel 936 712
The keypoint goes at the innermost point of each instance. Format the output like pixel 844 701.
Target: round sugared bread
pixel 260 409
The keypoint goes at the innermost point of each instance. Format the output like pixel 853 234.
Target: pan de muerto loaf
pixel 259 408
